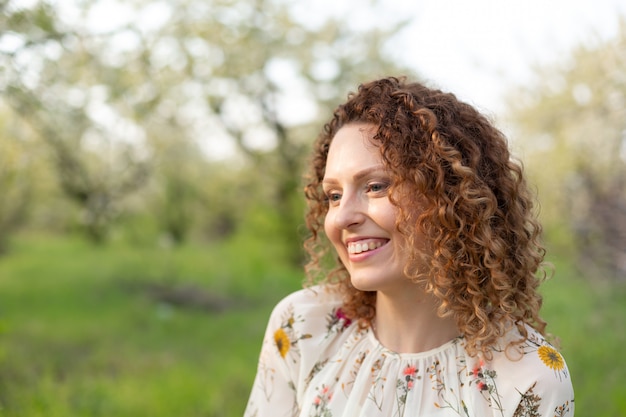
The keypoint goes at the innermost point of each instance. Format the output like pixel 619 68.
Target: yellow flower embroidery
pixel 551 358
pixel 282 342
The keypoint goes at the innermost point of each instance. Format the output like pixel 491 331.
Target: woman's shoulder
pixel 307 304
pixel 533 365
pixel 306 322
pixel 525 375
pixel 532 350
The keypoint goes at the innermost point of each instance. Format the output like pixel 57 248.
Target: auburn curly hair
pixel 475 210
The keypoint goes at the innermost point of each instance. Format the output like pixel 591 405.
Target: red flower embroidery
pixel 342 316
pixel 478 369
pixel 410 370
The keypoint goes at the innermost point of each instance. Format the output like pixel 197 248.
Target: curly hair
pixel 475 211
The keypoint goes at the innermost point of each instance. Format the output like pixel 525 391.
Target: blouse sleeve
pixel 551 393
pixel 274 389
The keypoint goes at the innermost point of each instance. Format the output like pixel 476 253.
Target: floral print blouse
pixel 316 362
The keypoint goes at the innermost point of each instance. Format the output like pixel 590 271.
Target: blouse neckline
pixel 449 345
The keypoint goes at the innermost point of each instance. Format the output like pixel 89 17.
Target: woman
pixel 432 307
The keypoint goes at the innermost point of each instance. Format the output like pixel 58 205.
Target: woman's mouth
pixel 365 245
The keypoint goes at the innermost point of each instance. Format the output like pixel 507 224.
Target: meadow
pixel 133 330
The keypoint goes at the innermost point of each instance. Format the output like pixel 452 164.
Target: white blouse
pixel 316 362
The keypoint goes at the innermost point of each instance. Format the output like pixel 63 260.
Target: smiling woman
pixel 432 308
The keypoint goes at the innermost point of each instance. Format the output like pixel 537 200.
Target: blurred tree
pixel 115 88
pixel 258 77
pixel 573 121
pixel 59 87
pixel 16 179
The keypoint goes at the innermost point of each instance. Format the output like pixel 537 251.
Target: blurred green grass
pixel 150 331
pixel 129 331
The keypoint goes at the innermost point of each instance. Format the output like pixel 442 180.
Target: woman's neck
pixel 407 322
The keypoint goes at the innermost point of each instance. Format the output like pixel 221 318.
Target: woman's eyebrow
pixel 359 175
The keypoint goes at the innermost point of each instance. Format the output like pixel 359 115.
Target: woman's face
pixel 361 220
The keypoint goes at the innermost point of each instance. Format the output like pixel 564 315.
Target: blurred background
pixel 151 201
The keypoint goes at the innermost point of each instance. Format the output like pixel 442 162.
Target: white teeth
pixel 363 247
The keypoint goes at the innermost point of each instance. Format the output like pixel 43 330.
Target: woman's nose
pixel 350 212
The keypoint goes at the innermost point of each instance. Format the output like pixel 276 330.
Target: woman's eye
pixel 333 197
pixel 377 187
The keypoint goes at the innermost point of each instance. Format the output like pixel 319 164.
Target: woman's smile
pixel 366 245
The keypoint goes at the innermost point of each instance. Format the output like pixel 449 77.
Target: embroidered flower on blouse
pixel 410 373
pixel 476 372
pixel 562 410
pixel 409 370
pixel 551 358
pixel 337 321
pixel 282 342
pixel 287 336
pixel 342 316
pixel 320 402
pixel 485 381
pixel 404 385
